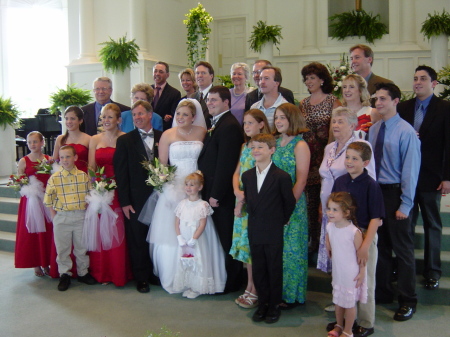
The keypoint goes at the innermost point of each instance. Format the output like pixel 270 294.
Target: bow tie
pixel 145 134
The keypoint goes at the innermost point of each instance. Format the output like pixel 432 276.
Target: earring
pixel 321 84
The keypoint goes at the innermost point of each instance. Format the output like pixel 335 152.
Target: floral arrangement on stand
pixel 158 174
pixel 339 73
pixel 100 232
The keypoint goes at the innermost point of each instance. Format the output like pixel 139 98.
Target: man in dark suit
pixel 256 95
pixel 131 149
pixel 204 76
pixel 430 117
pixel 361 57
pixel 102 91
pixel 217 161
pixel 166 97
pixel 270 203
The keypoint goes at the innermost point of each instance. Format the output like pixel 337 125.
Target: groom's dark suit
pixel 132 190
pixel 218 161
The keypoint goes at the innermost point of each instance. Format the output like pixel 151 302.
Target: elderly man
pixel 269 82
pixel 430 117
pixel 204 76
pixel 166 97
pixel 256 95
pixel 102 92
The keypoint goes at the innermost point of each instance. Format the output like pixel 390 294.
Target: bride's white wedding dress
pixel 162 236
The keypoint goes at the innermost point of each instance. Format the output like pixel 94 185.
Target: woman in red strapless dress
pixel 73 117
pixel 112 265
pixel 32 249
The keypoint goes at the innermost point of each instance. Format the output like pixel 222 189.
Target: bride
pixel 180 146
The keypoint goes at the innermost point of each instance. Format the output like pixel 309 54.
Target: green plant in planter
pixel 72 95
pixel 436 25
pixel 197 24
pixel 118 55
pixel 357 23
pixel 444 78
pixel 225 80
pixel 9 113
pixel 262 33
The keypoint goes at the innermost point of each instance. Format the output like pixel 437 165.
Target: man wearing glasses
pixel 102 92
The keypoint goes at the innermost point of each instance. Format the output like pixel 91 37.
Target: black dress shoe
pixel 404 313
pixel 330 326
pixel 363 332
pixel 431 284
pixel 64 282
pixel 154 280
pixel 143 287
pixel 88 279
pixel 260 314
pixel 273 315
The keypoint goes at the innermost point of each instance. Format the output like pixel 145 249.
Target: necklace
pixel 185 133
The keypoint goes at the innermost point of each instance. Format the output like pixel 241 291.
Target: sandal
pixel 38 272
pixel 347 334
pixel 242 297
pixel 46 271
pixel 334 332
pixel 250 302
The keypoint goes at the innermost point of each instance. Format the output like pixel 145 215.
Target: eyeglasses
pixel 256 72
pixel 100 89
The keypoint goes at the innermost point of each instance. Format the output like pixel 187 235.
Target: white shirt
pixel 260 176
pixel 148 140
pixel 215 119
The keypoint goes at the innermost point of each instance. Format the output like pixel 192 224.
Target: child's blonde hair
pixel 195 176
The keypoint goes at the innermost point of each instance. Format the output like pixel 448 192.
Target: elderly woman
pixel 240 73
pixel 343 123
pixel 187 81
pixel 357 99
pixel 317 112
pixel 142 92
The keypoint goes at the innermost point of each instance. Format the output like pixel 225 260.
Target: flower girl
pixel 201 267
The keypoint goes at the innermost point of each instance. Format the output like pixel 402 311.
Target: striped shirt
pixel 66 190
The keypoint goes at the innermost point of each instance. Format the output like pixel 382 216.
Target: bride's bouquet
pixel 100 231
pixel 158 174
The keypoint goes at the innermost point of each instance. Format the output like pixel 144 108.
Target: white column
pixel 310 25
pixel 86 24
pixel 407 24
pixel 138 25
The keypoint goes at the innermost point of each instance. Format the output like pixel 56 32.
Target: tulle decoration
pixel 56 167
pixel 36 212
pixel 146 214
pixel 100 223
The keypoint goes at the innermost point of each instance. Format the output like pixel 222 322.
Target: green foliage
pixel 164 332
pixel 118 55
pixel 197 24
pixel 9 113
pixel 225 80
pixel 263 33
pixel 436 24
pixel 72 95
pixel 357 23
pixel 444 78
pixel 406 96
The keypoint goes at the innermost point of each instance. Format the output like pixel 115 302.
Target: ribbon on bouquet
pixel 100 223
pixel 36 212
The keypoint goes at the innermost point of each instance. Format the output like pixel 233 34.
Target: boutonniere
pixel 211 130
pixel 156 144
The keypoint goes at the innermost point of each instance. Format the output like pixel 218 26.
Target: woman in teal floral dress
pixel 292 155
pixel 254 122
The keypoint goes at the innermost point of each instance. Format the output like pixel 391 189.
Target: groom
pixel 131 149
pixel 217 161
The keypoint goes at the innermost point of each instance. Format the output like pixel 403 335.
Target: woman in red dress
pixel 109 265
pixel 33 249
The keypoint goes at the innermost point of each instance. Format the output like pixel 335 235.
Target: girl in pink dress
pixel 113 264
pixel 33 249
pixel 73 118
pixel 343 239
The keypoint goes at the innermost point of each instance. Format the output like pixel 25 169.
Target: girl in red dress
pixel 109 265
pixel 33 249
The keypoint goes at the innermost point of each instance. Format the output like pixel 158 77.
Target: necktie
pixel 145 134
pixel 156 98
pixel 418 117
pixel 379 144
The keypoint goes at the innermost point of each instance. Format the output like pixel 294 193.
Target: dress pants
pixel 267 270
pixel 398 236
pixel 67 231
pixel 429 203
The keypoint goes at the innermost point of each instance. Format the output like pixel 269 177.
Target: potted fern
pixel 9 120
pixel 436 28
pixel 263 38
pixel 357 23
pixel 71 95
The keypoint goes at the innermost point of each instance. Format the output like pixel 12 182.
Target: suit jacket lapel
pixel 429 116
pixel 210 134
pixel 139 144
pixel 267 184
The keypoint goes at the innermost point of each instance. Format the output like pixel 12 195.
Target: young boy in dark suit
pixel 270 203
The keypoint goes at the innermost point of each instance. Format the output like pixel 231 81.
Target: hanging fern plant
pixel 357 23
pixel 118 55
pixel 197 24
pixel 262 33
pixel 436 25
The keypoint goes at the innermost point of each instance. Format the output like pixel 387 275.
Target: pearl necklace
pixel 185 133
